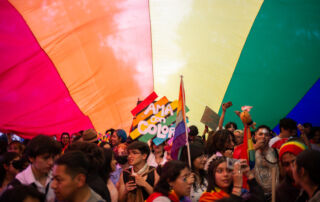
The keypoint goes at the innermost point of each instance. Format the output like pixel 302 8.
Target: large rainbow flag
pixel 68 65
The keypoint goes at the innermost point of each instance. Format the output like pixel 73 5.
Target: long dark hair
pixel 212 172
pixel 6 158
pixel 196 150
pixel 218 141
pixel 106 169
pixel 169 173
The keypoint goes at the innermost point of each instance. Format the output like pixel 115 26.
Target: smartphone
pixel 132 178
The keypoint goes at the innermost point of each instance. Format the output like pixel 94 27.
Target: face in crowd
pixel 114 139
pixel 43 163
pixel 238 137
pixel 200 162
pixel 223 176
pixel 65 139
pixel 287 162
pixel 263 135
pixel 182 185
pixel 135 157
pixel 65 185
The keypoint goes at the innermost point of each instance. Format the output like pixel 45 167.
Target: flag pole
pixel 185 123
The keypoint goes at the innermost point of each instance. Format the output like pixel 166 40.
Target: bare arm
pixel 124 188
pixel 225 106
pixel 304 136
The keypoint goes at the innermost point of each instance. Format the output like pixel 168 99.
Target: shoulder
pixel 162 199
pixel 157 197
pixel 94 197
pixel 25 176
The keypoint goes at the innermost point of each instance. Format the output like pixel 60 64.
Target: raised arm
pixel 225 106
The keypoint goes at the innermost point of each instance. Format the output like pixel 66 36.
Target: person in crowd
pixel 193 135
pixel 109 167
pixel 167 148
pixel 224 183
pixel 3 143
pixel 96 159
pixel 7 168
pixel 314 137
pixel 65 141
pixel 121 156
pixel 90 135
pixel 221 143
pixel 158 156
pixel 41 152
pixel 266 159
pixel 105 145
pixel 238 135
pixel 16 146
pixel 174 184
pixel 75 137
pixel 198 161
pixel 231 126
pixel 288 190
pixel 288 128
pixel 69 182
pixel 306 174
pixel 307 129
pixel 22 193
pixel 117 137
pixel 137 182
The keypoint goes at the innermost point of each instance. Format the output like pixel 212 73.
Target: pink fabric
pixel 33 98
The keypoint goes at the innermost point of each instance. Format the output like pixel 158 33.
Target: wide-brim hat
pixel 90 135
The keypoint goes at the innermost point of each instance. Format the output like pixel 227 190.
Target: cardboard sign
pixel 156 119
pixel 210 118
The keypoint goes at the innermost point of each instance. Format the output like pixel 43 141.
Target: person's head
pixel 138 153
pixel 121 153
pixel 65 139
pixel 197 154
pixel 109 165
pixel 167 148
pixel 93 153
pixel 22 193
pixel 315 135
pixel 238 136
pixel 219 175
pixel 157 148
pixel 307 128
pixel 288 127
pixel 221 141
pixel 117 137
pixel 287 155
pixel 7 165
pixel 17 147
pixel 263 134
pixel 175 175
pixel 193 132
pixel 90 135
pixel 306 169
pixel 74 136
pixel 231 126
pixel 41 152
pixel 69 175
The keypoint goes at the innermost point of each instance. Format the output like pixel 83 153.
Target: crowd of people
pixel 80 167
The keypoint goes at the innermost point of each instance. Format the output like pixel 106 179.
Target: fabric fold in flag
pixel 179 138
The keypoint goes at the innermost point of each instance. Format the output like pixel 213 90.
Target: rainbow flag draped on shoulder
pixel 179 138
